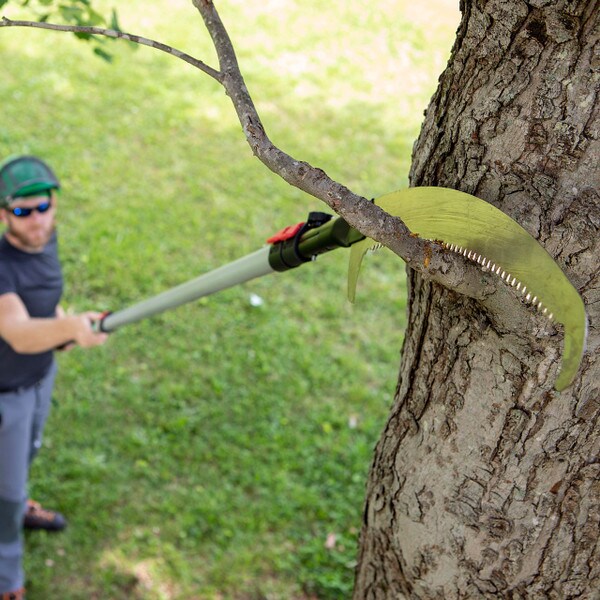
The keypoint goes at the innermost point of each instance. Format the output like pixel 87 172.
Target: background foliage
pixel 219 450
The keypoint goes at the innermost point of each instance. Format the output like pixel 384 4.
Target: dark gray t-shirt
pixel 37 280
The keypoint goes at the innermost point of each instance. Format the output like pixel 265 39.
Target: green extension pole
pixel 289 248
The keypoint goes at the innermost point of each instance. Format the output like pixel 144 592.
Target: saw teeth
pixel 487 264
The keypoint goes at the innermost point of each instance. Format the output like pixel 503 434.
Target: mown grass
pixel 219 450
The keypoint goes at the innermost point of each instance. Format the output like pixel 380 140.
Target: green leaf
pixel 103 54
pixel 94 18
pixel 71 14
pixel 114 21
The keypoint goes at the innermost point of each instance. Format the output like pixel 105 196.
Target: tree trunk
pixel 486 482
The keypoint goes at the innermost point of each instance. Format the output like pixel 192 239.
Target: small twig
pixel 112 33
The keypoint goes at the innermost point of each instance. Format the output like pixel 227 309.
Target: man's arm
pixel 27 335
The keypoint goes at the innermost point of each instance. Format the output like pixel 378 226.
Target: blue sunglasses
pixel 25 212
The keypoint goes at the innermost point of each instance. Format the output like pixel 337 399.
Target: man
pixel 32 326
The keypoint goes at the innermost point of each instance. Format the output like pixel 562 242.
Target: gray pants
pixel 23 414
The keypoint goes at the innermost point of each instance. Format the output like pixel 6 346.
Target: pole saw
pixel 458 221
pixel 289 248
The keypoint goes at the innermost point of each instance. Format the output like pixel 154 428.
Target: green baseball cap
pixel 22 176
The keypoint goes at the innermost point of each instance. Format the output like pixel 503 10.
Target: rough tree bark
pixel 486 482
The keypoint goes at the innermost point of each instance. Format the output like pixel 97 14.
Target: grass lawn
pixel 220 450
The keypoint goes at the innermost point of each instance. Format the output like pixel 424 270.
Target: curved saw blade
pixel 483 233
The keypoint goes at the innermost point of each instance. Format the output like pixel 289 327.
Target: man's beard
pixel 32 240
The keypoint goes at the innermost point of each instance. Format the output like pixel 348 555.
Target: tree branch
pixel 448 269
pixel 112 33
